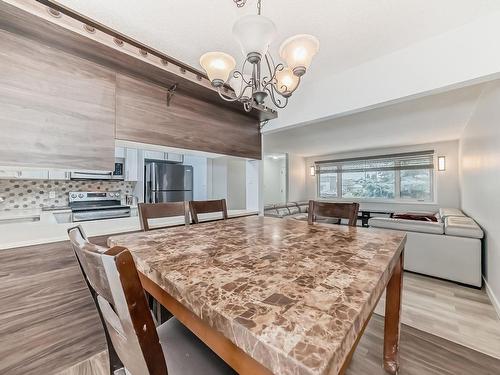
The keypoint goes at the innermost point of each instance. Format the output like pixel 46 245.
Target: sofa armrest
pixel 462 226
pixel 407 225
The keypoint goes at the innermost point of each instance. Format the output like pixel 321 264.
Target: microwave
pixel 117 174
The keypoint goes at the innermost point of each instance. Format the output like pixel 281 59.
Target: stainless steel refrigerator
pixel 167 182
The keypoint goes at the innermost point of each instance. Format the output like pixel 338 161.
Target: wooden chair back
pixel 347 211
pixel 120 298
pixel 159 210
pixel 205 207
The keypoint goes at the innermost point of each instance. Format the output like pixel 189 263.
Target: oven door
pixel 109 213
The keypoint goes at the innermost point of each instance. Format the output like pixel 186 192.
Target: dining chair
pixel 205 207
pixel 347 211
pixel 143 348
pixel 149 211
pixel 79 239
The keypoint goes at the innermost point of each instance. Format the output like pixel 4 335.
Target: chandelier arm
pixel 280 103
pixel 237 74
pixel 236 98
pixel 247 106
pixel 269 56
pixel 277 68
pixel 242 71
pixel 265 81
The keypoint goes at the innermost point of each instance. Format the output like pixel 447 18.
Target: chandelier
pixel 259 77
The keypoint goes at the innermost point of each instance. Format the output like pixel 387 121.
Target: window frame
pixel 397 181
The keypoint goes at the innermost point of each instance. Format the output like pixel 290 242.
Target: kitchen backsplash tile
pixel 24 194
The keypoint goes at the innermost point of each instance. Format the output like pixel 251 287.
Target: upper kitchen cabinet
pixel 56 110
pixel 143 115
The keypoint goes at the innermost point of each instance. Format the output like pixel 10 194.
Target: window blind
pixel 407 161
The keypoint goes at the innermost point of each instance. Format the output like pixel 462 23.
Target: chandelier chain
pixel 240 3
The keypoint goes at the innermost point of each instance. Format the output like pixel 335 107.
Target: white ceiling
pixel 353 34
pixel 434 118
pixel 350 31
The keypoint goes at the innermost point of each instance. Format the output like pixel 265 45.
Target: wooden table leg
pixel 392 318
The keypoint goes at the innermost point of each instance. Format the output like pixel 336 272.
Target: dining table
pixel 275 296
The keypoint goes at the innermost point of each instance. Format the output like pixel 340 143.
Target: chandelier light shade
pixel 286 82
pixel 259 77
pixel 298 52
pixel 218 66
pixel 254 34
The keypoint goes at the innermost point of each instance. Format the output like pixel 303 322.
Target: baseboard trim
pixel 493 298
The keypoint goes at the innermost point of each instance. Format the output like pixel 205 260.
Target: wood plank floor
pixel 451 311
pixel 420 354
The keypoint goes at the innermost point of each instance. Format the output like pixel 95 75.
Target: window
pixel 402 176
pixel 328 182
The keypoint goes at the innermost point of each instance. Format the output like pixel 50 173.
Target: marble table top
pixel 291 295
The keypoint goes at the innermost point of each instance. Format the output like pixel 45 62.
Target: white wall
pixel 229 181
pixel 219 178
pixel 447 192
pixel 275 179
pixel 297 172
pixel 480 178
pixel 200 179
pixel 252 184
pixel 236 184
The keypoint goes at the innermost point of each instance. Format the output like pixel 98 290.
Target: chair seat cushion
pixel 186 354
pixel 462 227
pixel 407 225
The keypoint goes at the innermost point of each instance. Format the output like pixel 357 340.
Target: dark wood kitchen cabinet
pixel 142 115
pixel 56 110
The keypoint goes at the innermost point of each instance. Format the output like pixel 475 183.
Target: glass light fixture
pixel 254 34
pixel 286 82
pixel 312 170
pixel 260 77
pixel 298 52
pixel 218 66
pixel 441 163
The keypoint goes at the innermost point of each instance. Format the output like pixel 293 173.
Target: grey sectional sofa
pixel 295 210
pixel 290 210
pixel 449 248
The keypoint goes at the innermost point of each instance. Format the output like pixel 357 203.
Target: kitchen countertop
pixel 47 229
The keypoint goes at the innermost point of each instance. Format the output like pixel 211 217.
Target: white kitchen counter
pixel 47 230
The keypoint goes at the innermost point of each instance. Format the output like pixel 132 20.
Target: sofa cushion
pixel 407 225
pixel 304 207
pixel 416 217
pixel 445 212
pixel 293 210
pixel 271 212
pixel 283 211
pixel 462 226
pixel 299 216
